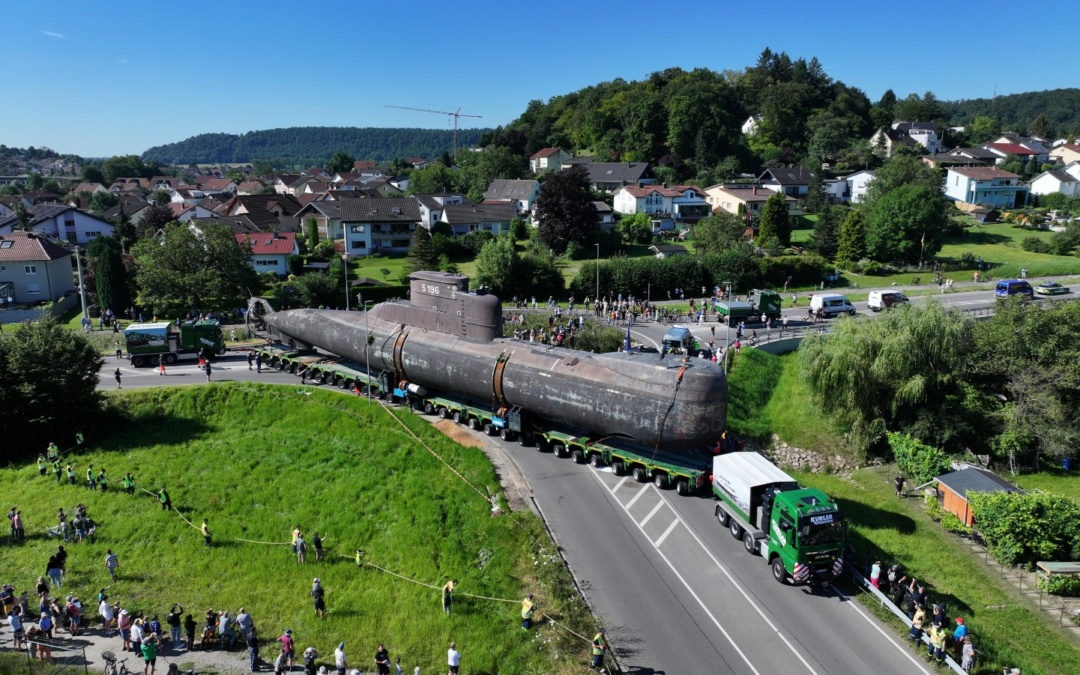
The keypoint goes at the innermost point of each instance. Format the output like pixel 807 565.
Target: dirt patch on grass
pixel 511 479
pixel 459 433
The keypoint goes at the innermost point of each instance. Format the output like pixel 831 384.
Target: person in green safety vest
pixel 103 480
pixel 57 469
pixel 71 474
pixel 599 649
pixel 54 452
pixel 359 558
pixel 527 609
pixel 90 482
pixel 129 483
pixel 163 497
pixel 42 467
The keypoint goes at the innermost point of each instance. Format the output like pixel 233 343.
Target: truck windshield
pixel 817 535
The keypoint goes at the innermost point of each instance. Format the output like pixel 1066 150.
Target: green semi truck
pixel 147 342
pixel 799 531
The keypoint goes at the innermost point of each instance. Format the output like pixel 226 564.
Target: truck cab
pixel 678 340
pixel 766 302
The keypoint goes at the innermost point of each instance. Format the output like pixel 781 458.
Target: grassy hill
pixel 258 460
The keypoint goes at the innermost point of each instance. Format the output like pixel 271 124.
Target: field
pixel 1052 480
pixel 258 460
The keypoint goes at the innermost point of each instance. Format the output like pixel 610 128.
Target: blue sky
pixel 117 77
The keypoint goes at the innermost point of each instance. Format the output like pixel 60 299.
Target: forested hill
pixel 1018 112
pixel 312 145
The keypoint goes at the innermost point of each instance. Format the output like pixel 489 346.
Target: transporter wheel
pixel 750 543
pixel 682 487
pixel 778 571
pixel 618 468
pixel 578 456
pixel 344 383
pixel 661 480
pixel 319 377
pixel 137 362
pixel 722 516
pixel 291 369
pixel 282 365
pixel 429 408
pixel 474 424
pixel 640 474
pixel 541 444
pixel 443 413
pixel 488 429
pixel 364 389
pixel 735 529
pixel 506 434
pixel 595 460
pixel 170 358
pixel 457 417
pixel 559 449
pixel 523 439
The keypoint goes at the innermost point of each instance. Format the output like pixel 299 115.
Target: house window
pixel 359 246
pixel 33 289
pixel 266 263
pixel 69 224
pixel 93 234
pixel 30 269
pixel 6 244
pixel 357 229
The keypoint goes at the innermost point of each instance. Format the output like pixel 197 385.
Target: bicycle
pixel 114 667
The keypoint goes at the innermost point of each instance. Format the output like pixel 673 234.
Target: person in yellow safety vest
pixel 917 623
pixel 54 452
pixel 527 609
pixel 103 481
pixel 57 469
pixel 129 483
pixel 599 648
pixel 90 482
pixel 359 558
pixel 936 648
pixel 42 467
pixel 71 474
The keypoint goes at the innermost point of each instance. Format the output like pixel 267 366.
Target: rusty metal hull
pixel 652 401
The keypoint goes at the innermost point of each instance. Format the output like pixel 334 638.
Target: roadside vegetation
pixel 258 460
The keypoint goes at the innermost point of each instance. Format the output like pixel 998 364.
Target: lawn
pixel 1059 482
pixel 1007 632
pixel 258 460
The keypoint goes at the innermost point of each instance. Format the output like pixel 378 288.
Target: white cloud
pixel 49 33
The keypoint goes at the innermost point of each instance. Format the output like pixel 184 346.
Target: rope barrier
pixel 265 543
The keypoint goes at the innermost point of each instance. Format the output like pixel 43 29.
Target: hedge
pixel 1022 529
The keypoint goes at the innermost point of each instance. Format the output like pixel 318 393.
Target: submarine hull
pixel 655 402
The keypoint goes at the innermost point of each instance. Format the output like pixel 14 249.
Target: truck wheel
pixel 429 408
pixel 661 480
pixel 722 516
pixel 523 439
pixel 618 468
pixel 457 417
pixel 750 543
pixel 682 487
pixel 344 383
pixel 488 429
pixel 578 456
pixel 640 474
pixel 320 377
pixel 560 450
pixel 541 444
pixel 291 369
pixel 595 460
pixel 506 434
pixel 474 424
pixel 170 358
pixel 778 571
pixel 443 413
pixel 137 361
pixel 735 529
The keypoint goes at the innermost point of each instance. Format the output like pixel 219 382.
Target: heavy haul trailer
pixel 799 531
pixel 329 370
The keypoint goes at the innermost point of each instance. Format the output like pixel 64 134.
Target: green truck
pixel 766 302
pixel 732 312
pixel 147 342
pixel 799 531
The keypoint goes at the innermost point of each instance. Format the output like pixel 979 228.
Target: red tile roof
pixel 1011 149
pixel 267 243
pixel 640 192
pixel 546 152
pixel 29 247
pixel 178 208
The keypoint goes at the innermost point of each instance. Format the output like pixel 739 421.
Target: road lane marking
pixel 620 483
pixel 888 637
pixel 667 532
pixel 652 513
pixel 646 337
pixel 633 499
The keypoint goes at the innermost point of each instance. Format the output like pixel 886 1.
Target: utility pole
pixel 598 271
pixel 727 327
pixel 455 114
pixel 82 286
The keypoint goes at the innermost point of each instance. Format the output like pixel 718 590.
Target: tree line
pixel 1049 114
pixel 311 145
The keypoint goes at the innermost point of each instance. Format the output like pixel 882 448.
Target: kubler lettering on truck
pixel 799 531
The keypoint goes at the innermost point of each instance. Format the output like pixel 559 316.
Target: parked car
pixel 1051 288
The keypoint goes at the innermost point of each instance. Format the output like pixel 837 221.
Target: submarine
pixel 450 340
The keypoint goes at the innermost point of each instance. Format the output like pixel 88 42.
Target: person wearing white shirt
pixel 339 659
pixel 453 658
pixel 106 612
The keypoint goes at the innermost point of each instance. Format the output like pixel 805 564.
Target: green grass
pixel 1052 480
pixel 897 530
pixel 372 267
pixel 257 460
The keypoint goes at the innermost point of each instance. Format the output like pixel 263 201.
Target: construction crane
pixel 456 114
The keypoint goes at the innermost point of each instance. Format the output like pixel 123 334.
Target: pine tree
pixel 775 221
pixel 826 234
pixel 422 254
pixel 815 198
pixel 124 230
pixel 852 247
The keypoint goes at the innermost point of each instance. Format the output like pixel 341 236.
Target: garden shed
pixel 953 489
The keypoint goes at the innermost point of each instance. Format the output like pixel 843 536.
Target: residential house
pixel 167 183
pixel 266 212
pixel 326 215
pixel 1056 180
pixel 5 209
pixel 129 185
pixel 382 185
pixel 943 160
pixel 1038 146
pixel 743 199
pixel 132 207
pixel 925 134
pixel 984 186
pixel 90 187
pixel 284 183
pixel 955 488
pixel 1009 151
pixel 886 141
pixel 216 186
pixel 1073 169
pixel 690 204
pixel 793 182
pixel 378 225
pixel 61 222
pixel 250 187
pixel 521 193
pixel 184 212
pixel 610 176
pixel 857 185
pixel 34 197
pixel 837 190
pixel 548 158
pixel 270 251
pixel 33 269
pixel 401 183
pixel 1066 153
pixel 417 162
pixel 466 218
pixel 750 126
pixel 980 155
pixel 186 196
pixel 431 206
pixel 650 199
pixel 14 180
pixel 364 165
pixel 605 216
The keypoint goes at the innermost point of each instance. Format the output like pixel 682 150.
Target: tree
pixel 110 275
pixel 24 217
pixel 124 230
pixel 1042 127
pixel 93 174
pixel 314 290
pixel 565 209
pixel 1032 167
pixel 718 232
pixel 815 197
pixel 34 181
pixel 155 217
pixel 899 171
pixel 422 254
pixel 635 228
pixel 124 166
pixel 852 245
pixel 340 163
pixel 983 129
pixel 774 221
pixel 102 201
pixel 907 225
pixel 432 179
pixel 50 376
pixel 498 267
pixel 188 270
pixel 882 113
pixel 827 232
pixel 312 234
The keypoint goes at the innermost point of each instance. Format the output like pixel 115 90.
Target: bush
pixel 1059 585
pixel 1033 245
pixel 1022 529
pixel 955 228
pixel 804 270
pixel 871 267
pixel 967 261
pixel 917 460
pixel 473 242
pixel 933 509
pixel 951 523
pixel 296 265
pixel 642 276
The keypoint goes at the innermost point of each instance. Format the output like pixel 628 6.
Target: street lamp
pixel 345 264
pixel 367 342
pixel 598 271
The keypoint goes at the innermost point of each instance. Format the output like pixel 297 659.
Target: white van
pixel 880 300
pixel 831 305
